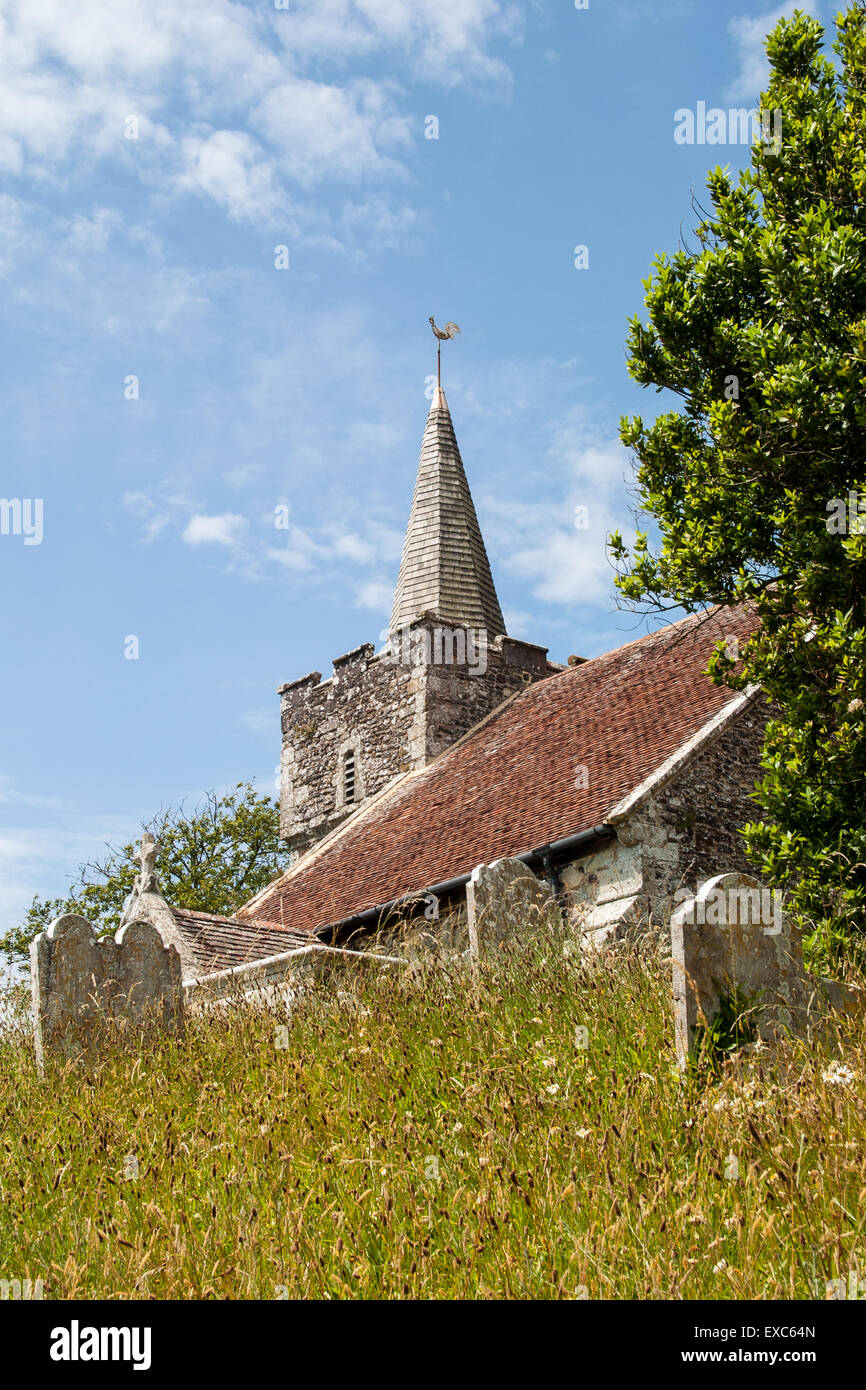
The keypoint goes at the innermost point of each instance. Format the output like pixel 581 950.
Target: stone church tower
pixel 448 661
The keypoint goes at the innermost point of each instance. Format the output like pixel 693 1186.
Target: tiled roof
pixel 444 569
pixel 509 786
pixel 219 942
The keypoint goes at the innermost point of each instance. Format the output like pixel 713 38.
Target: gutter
pixel 544 855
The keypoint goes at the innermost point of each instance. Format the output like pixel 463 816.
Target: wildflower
pixel 582 1133
pixel 854 706
pixel 717 1269
pixel 552 1090
pixel 837 1074
pixel 548 1061
pixel 457 1128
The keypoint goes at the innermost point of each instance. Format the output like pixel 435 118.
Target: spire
pixel 444 569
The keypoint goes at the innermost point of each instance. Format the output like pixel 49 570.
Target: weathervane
pixel 441 334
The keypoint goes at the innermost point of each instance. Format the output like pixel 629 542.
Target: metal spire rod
pixel 449 331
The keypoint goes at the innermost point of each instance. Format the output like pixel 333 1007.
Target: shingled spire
pixel 444 570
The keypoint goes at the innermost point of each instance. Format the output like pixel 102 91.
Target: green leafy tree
pixel 211 860
pixel 760 330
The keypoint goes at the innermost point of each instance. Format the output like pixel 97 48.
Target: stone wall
pixel 701 811
pixel 676 837
pixel 367 705
pixel 395 714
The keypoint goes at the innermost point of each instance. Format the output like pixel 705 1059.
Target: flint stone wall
pixel 673 839
pixel 80 981
pixel 396 716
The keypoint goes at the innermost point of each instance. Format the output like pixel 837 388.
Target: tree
pixel 212 860
pixel 761 332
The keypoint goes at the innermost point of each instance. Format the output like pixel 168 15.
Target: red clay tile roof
pixel 508 786
pixel 219 942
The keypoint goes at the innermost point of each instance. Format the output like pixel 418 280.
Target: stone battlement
pixel 385 713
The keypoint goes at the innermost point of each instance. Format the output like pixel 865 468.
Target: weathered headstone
pixel 80 981
pixel 732 936
pixel 502 899
pixel 143 977
pixel 146 904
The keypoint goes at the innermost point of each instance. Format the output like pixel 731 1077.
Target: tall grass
pixel 428 1133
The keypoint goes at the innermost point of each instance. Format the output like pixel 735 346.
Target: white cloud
pixel 155 513
pixel 229 167
pixel 445 43
pixel 562 550
pixel 242 475
pixel 376 595
pixel 229 529
pixel 750 34
pixel 86 235
pixel 11 796
pixel 355 548
pixel 15 219
pixel 235 103
pixel 518 623
pixel 320 131
pixel 101 270
pixel 44 861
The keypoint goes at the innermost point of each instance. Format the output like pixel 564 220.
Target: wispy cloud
pixel 749 33
pixel 44 860
pixel 10 795
pixel 376 595
pixel 229 529
pixel 229 103
pixel 559 546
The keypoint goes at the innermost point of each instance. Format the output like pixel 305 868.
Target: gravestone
pixel 733 935
pixel 147 904
pixel 503 899
pixel 80 981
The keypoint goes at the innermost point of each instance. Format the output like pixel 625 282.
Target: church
pixel 616 780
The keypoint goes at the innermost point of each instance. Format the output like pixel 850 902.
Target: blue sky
pixel 154 257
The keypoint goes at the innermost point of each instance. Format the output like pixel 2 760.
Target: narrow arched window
pixel 349 776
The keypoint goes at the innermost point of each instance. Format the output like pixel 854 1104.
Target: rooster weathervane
pixel 442 334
